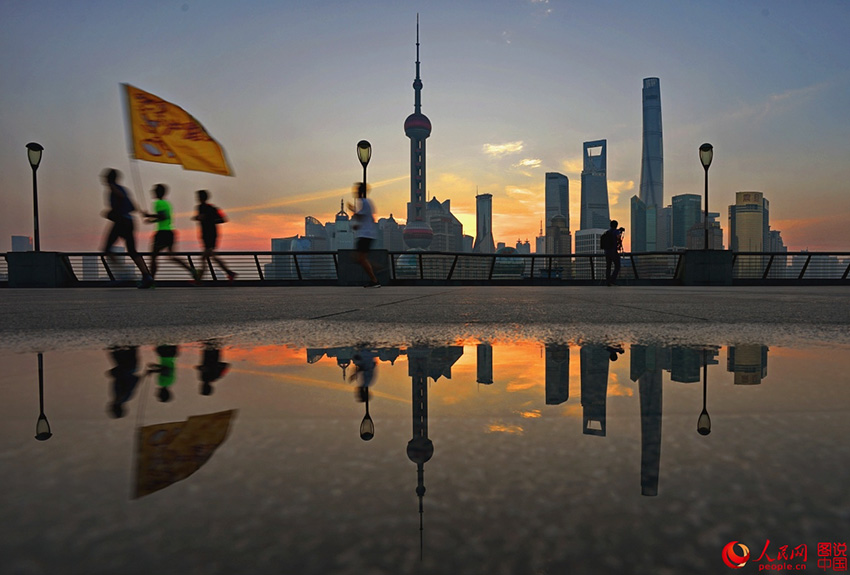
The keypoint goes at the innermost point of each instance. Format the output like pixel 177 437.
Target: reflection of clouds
pixel 530 414
pixel 498 150
pixel 504 428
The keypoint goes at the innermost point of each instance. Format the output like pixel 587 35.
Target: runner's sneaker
pixel 231 276
pixel 146 283
pixel 372 285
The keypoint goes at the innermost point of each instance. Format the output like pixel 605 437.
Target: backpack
pixel 220 218
pixel 606 241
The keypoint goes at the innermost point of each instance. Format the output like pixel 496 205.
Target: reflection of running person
pixel 164 238
pixel 365 230
pixel 209 217
pixel 124 378
pixel 211 368
pixel 165 370
pixel 120 213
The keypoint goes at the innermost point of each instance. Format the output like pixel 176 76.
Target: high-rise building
pixel 645 213
pixel 417 127
pixel 484 243
pixel 748 362
pixel 594 186
pixel 696 234
pixel 652 156
pixel 587 242
pixel 523 247
pixel 749 223
pixel 390 235
pixel 484 366
pixel 593 364
pixel 686 213
pixel 663 229
pixel 638 222
pixel 21 244
pixel 447 229
pixel 557 373
pixel 557 200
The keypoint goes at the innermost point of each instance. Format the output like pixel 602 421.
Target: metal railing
pixel 323 268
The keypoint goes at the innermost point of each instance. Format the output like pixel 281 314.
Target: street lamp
pixel 34 154
pixel 704 421
pixel 364 154
pixel 706 152
pixel 42 426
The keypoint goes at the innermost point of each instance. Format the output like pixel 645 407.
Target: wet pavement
pixel 423 430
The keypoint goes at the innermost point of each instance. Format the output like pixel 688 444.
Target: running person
pixel 163 239
pixel 120 213
pixel 365 231
pixel 208 218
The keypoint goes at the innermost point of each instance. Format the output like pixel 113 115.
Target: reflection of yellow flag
pixel 170 452
pixel 165 133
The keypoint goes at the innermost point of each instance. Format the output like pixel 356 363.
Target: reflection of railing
pixel 284 268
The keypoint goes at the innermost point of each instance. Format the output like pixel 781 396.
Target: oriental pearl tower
pixel 417 127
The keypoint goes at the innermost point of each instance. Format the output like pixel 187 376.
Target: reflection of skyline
pixel 748 362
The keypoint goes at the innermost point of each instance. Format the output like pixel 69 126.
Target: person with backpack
pixel 208 218
pixel 611 243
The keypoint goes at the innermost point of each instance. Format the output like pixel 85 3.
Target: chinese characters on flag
pixel 165 133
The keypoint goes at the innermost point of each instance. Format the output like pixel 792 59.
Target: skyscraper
pixel 417 127
pixel 484 243
pixel 650 201
pixel 594 186
pixel 749 223
pixel 686 212
pixel 652 157
pixel 557 204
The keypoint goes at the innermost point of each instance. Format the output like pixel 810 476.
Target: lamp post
pixel 34 151
pixel 706 151
pixel 42 426
pixel 704 421
pixel 364 154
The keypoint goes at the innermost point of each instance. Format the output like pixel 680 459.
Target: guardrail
pixel 322 268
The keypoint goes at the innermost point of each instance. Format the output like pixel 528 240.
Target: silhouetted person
pixel 614 350
pixel 124 378
pixel 164 237
pixel 211 368
pixel 165 370
pixel 611 243
pixel 209 217
pixel 120 213
pixel 365 230
pixel 365 365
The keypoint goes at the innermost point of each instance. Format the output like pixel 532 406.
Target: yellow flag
pixel 170 452
pixel 165 133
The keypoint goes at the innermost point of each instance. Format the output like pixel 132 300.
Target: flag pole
pixel 134 162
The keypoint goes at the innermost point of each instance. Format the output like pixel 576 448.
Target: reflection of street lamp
pixel 34 154
pixel 364 154
pixel 706 151
pixel 704 421
pixel 42 427
pixel 367 427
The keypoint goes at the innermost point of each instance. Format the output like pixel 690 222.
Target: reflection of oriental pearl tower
pixel 420 448
pixel 417 232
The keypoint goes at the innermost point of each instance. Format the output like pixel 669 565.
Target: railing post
pixel 452 269
pixel 109 271
pixel 847 271
pixel 392 265
pixel 297 267
pixel 805 265
pixel 492 267
pixel 259 268
pixel 767 269
pixel 532 267
pixel 421 269
pixel 592 268
pixel 634 266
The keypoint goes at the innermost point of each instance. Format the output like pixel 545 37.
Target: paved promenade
pixel 51 318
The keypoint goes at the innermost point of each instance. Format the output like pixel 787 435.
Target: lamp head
pixel 34 151
pixel 364 152
pixel 706 151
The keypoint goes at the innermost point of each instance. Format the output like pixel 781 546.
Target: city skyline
pixel 289 92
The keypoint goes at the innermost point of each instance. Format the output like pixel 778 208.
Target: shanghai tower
pixel 417 127
pixel 652 158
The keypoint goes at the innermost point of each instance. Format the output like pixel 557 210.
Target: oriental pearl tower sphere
pixel 417 127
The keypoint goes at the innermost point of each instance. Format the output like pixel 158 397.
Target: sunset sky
pixel 512 88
